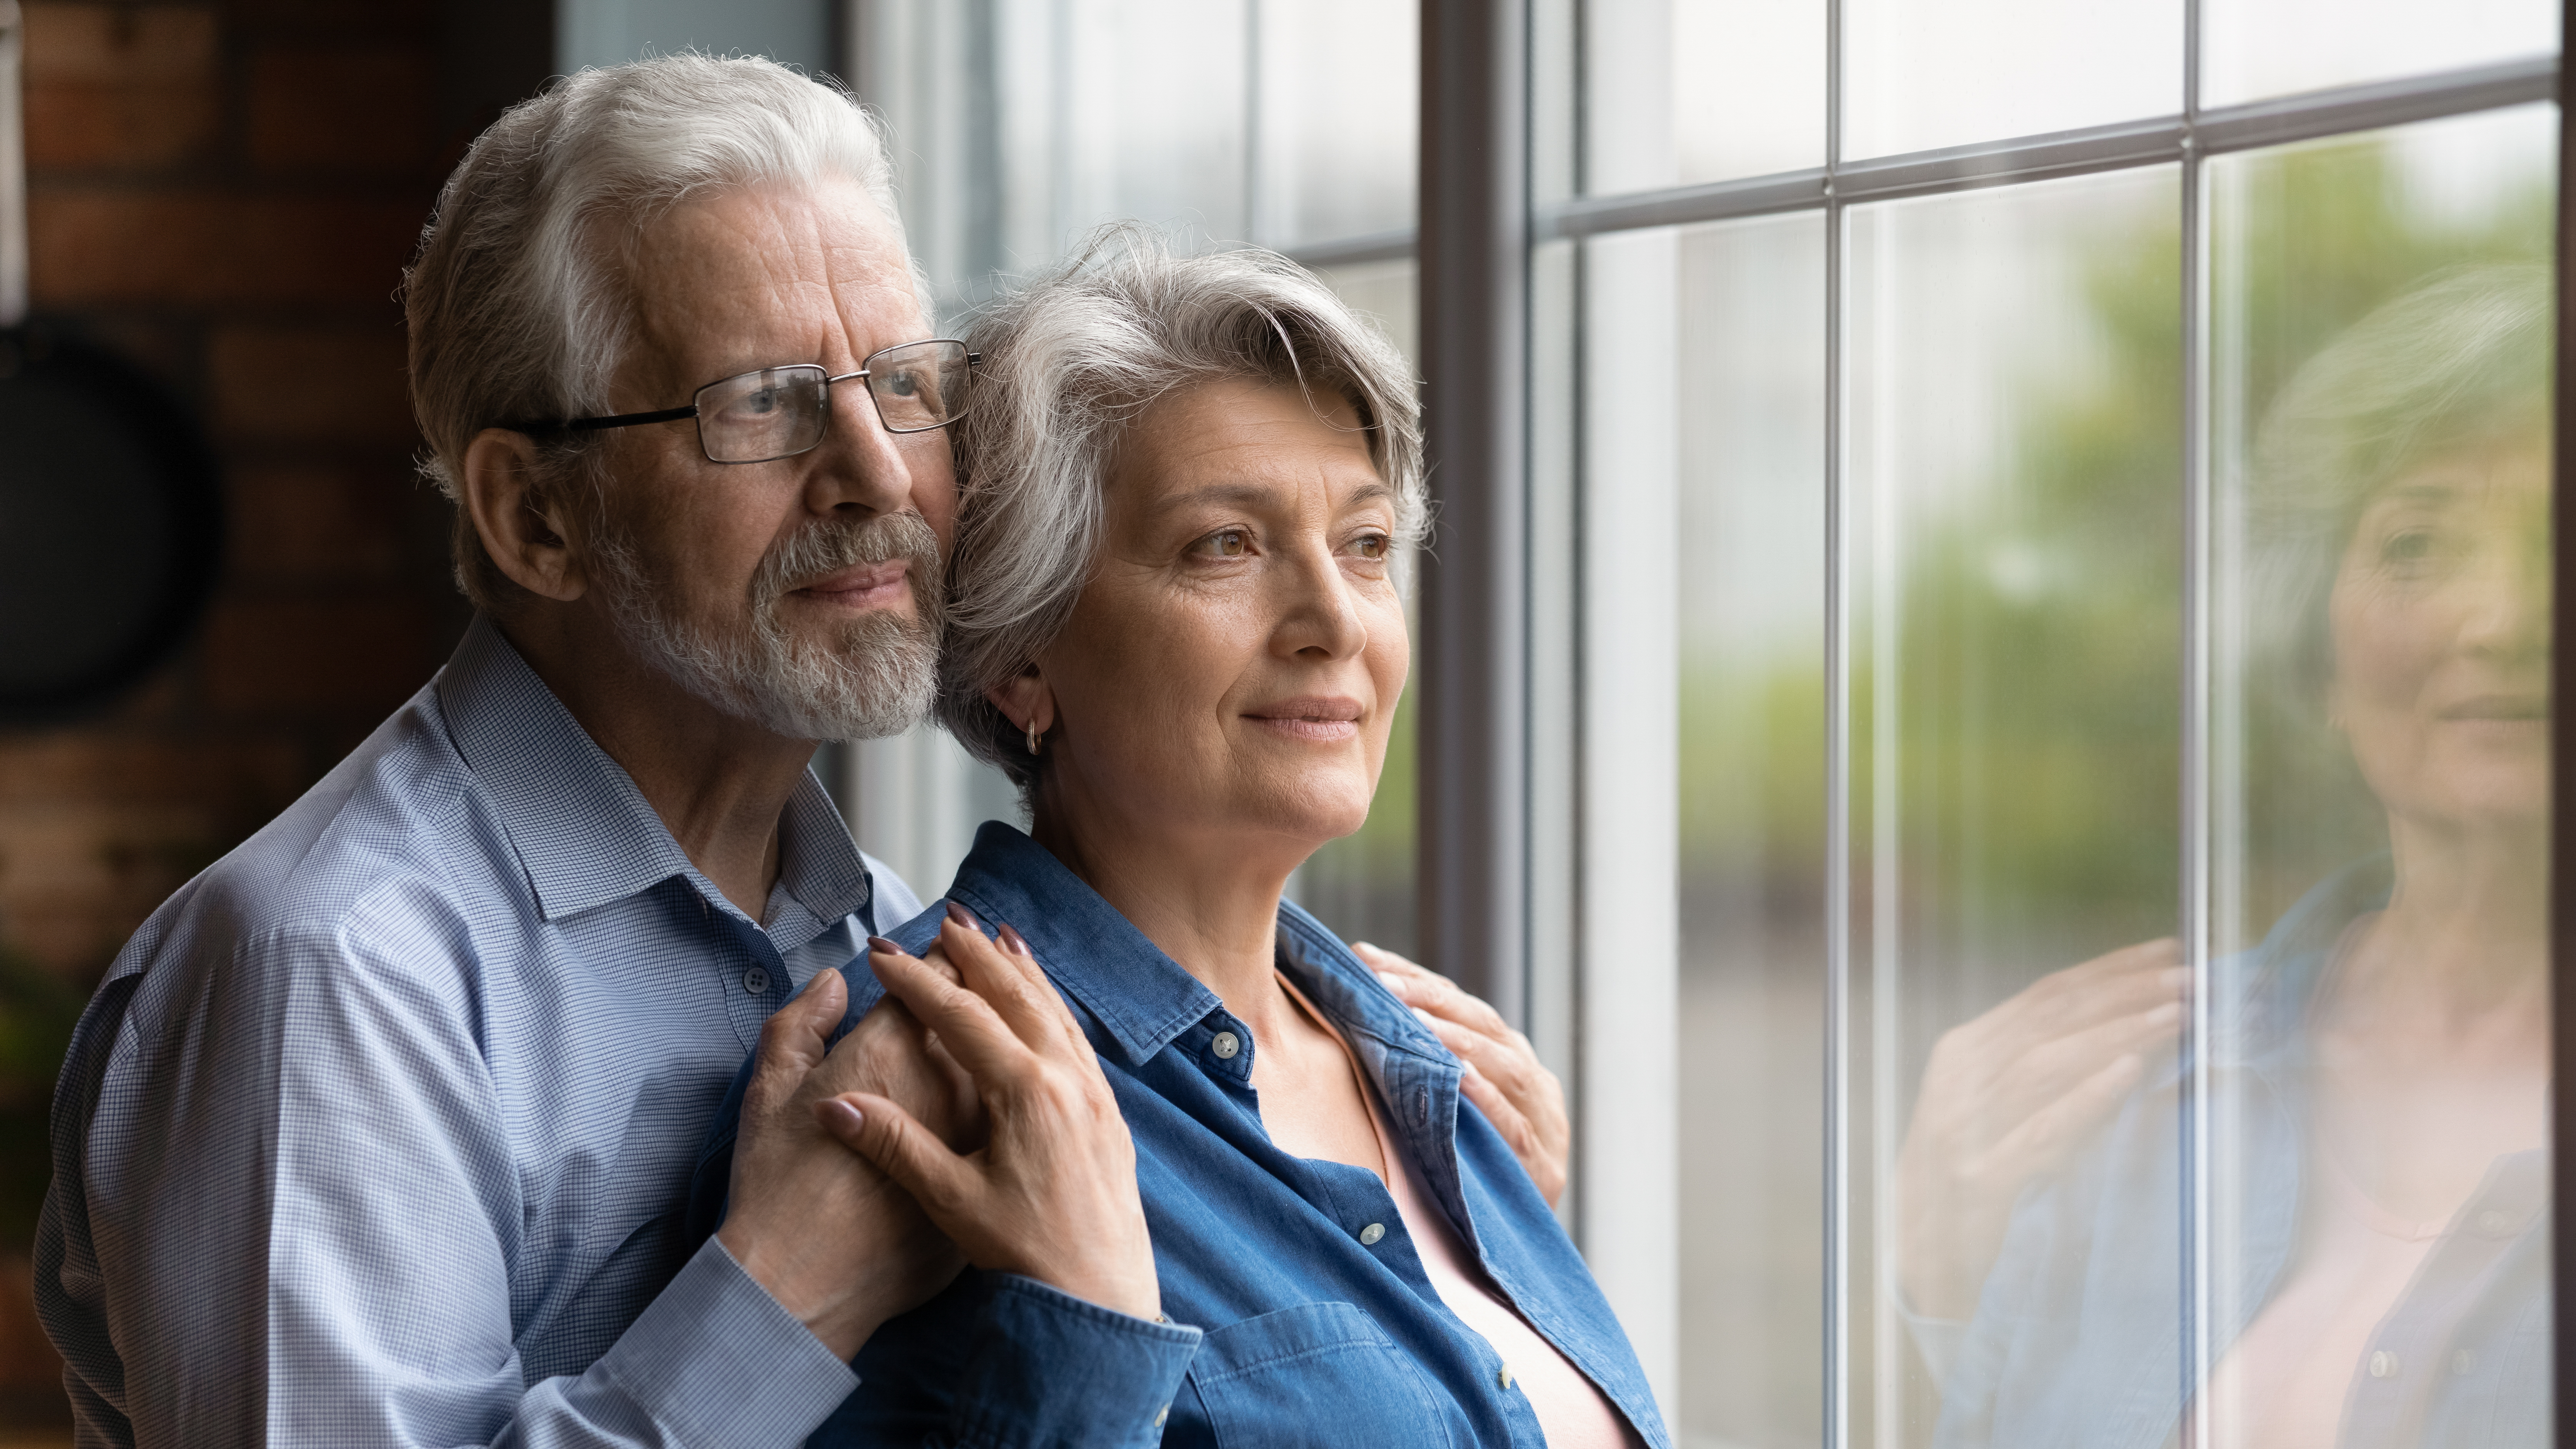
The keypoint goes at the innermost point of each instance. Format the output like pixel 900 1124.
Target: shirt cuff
pixel 1052 1370
pixel 1937 1341
pixel 720 1362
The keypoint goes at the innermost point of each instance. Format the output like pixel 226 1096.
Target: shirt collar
pixel 584 833
pixel 1142 998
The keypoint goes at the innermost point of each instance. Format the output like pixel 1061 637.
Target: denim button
pixel 756 980
pixel 1503 1376
pixel 1162 1414
pixel 1226 1045
pixel 1370 1234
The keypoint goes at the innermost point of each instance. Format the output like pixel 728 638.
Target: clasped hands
pixel 965 1120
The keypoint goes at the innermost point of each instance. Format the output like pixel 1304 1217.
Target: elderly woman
pixel 2379 1065
pixel 1176 623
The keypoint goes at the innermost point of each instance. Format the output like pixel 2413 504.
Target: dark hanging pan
pixel 111 519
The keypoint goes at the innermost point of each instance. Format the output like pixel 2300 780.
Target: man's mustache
pixel 827 547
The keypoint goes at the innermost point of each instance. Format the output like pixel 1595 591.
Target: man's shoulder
pixel 398 838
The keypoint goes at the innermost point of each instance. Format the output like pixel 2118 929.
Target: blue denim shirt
pixel 2078 1335
pixel 1313 1337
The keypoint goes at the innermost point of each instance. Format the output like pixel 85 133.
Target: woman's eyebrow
pixel 1253 495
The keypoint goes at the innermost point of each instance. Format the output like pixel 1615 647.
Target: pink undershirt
pixel 1571 1411
pixel 2284 1383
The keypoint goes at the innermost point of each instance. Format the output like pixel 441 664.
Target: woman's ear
pixel 1026 701
pixel 529 538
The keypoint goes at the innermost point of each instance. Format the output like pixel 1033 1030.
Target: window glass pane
pixel 1702 90
pixel 1925 74
pixel 2275 47
pixel 1339 81
pixel 1362 885
pixel 1751 459
pixel 2016 504
pixel 2381 331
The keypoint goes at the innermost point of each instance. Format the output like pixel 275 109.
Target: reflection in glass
pixel 1751 368
pixel 2379 1063
pixel 2257 48
pixel 2016 548
pixel 1932 73
pixel 2373 1077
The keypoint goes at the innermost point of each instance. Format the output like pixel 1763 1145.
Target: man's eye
pixel 1226 543
pixel 759 403
pixel 904 384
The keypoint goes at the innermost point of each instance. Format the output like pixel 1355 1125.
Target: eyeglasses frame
pixel 673 415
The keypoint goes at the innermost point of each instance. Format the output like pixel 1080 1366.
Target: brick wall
pixel 225 193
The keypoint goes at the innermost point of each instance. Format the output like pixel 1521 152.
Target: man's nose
pixel 858 464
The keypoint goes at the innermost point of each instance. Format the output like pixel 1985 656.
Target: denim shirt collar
pixel 583 831
pixel 1142 998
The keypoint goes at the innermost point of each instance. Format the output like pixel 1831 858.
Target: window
pixel 2023 663
pixel 2037 517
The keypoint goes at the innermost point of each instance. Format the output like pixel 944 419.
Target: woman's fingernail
pixel 845 1117
pixel 963 917
pixel 1012 942
pixel 880 943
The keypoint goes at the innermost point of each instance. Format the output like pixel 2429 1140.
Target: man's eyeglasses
pixel 779 412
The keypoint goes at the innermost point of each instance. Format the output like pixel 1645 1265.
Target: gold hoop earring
pixel 1035 738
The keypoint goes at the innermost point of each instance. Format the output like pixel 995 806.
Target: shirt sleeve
pixel 307 1223
pixel 1047 1369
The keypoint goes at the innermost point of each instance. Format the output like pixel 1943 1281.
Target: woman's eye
pixel 1371 546
pixel 1226 543
pixel 2406 548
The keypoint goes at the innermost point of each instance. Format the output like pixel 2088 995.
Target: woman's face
pixel 1232 668
pixel 2440 621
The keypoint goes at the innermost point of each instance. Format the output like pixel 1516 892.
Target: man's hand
pixel 2009 1098
pixel 1503 1077
pixel 834 1240
pixel 1053 1196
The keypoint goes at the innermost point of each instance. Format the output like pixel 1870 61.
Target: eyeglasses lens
pixel 772 413
pixel 919 386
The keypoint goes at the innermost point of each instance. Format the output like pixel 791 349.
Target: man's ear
pixel 527 535
pixel 1025 700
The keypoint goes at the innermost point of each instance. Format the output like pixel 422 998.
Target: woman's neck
pixel 2465 932
pixel 1210 905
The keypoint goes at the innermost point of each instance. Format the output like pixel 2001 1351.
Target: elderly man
pixel 378 1132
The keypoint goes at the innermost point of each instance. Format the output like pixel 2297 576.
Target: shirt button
pixel 2383 1365
pixel 1226 1045
pixel 2464 1363
pixel 2493 1223
pixel 1370 1234
pixel 756 980
pixel 1503 1376
pixel 1162 1414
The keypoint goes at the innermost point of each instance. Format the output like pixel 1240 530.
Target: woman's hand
pixel 1052 1196
pixel 2011 1097
pixel 1524 1100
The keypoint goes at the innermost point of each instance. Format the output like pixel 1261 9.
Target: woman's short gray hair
pixel 517 300
pixel 2462 360
pixel 1068 362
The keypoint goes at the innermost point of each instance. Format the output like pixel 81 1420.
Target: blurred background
pixel 1881 502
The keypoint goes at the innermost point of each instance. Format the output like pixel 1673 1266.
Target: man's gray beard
pixel 874 677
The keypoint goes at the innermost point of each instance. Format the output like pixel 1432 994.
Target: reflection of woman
pixel 1175 624
pixel 2379 1065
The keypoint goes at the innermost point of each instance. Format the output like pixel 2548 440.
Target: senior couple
pixel 408 1122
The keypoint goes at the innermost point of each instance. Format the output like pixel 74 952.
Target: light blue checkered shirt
pixel 378 1132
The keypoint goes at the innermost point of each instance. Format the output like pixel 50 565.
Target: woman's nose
pixel 2508 602
pixel 1322 615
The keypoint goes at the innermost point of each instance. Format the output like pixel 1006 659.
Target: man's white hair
pixel 519 300
pixel 1067 364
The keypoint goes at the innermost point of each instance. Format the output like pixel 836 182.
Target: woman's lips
pixel 865 586
pixel 1315 718
pixel 2500 708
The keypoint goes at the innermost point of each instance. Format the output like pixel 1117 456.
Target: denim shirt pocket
pixel 1320 1374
